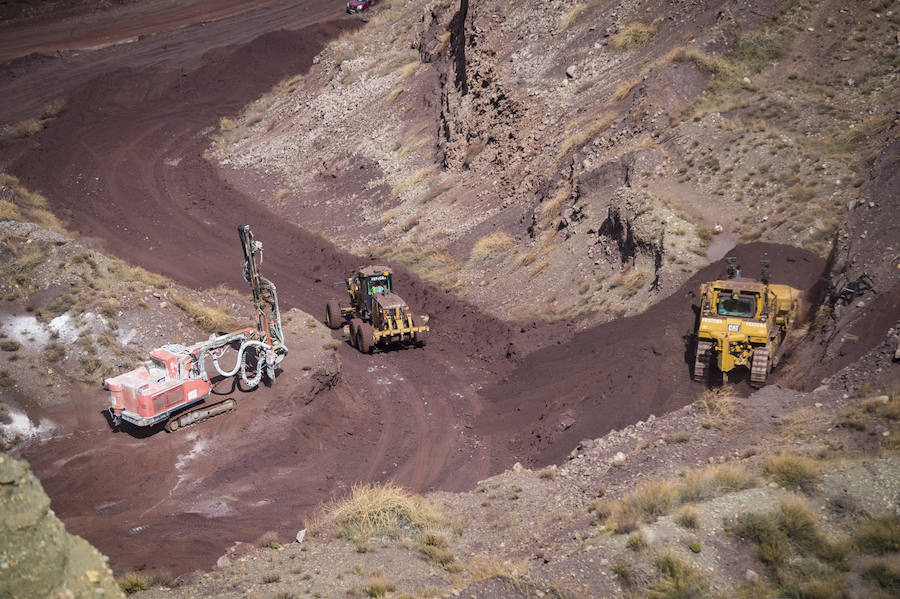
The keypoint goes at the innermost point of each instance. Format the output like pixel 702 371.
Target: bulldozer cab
pixel 738 304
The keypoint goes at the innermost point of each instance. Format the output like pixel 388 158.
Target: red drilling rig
pixel 173 386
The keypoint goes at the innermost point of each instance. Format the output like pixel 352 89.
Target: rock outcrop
pixel 38 558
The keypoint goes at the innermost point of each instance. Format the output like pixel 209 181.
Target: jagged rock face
pixel 38 558
pixel 477 112
pixel 633 226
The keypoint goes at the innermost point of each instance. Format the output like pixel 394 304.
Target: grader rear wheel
pixel 354 328
pixel 365 338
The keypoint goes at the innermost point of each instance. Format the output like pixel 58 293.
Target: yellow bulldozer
pixel 743 324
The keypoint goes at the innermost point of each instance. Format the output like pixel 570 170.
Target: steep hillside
pixel 559 158
pixel 562 176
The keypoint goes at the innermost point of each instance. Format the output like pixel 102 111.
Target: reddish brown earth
pixel 124 164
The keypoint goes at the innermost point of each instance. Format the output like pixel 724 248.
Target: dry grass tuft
pixel 632 36
pixel 382 510
pixel 133 583
pixel 25 205
pixel 625 88
pixel 409 182
pixel 268 540
pixel 379 586
pixel 8 211
pixel 688 517
pixel 791 470
pixel 210 320
pixel 571 16
pixel 653 499
pixel 724 74
pixel 435 547
pixel 485 568
pixel 28 127
pixel 578 139
pixel 633 282
pixel 878 535
pixel 713 481
pixel 490 245
pixel 406 71
pixel 432 264
pixel 677 580
pixel 719 406
pixel 884 573
pixel 52 109
pixel 395 93
pixel 804 563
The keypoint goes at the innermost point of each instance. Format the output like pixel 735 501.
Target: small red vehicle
pixel 359 5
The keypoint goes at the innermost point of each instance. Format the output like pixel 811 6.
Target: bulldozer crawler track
pixel 759 368
pixel 220 407
pixel 703 360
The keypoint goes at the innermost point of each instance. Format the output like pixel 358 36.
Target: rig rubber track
pixel 759 368
pixel 191 417
pixel 702 361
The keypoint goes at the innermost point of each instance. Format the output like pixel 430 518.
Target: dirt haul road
pixel 124 164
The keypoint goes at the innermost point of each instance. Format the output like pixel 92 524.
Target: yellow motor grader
pixel 743 324
pixel 377 315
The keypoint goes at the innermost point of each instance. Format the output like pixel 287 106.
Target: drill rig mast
pixel 173 387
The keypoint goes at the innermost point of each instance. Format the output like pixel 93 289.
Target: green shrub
pixel 133 583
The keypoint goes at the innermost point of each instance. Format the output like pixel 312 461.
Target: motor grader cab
pixel 377 316
pixel 743 324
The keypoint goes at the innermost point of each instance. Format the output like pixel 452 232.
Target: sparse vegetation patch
pixel 632 36
pixel 382 510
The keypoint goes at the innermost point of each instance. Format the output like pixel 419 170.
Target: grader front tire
pixel 354 328
pixel 365 338
pixel 333 314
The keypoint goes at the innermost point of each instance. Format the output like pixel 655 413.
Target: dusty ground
pixel 126 164
pixel 534 533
